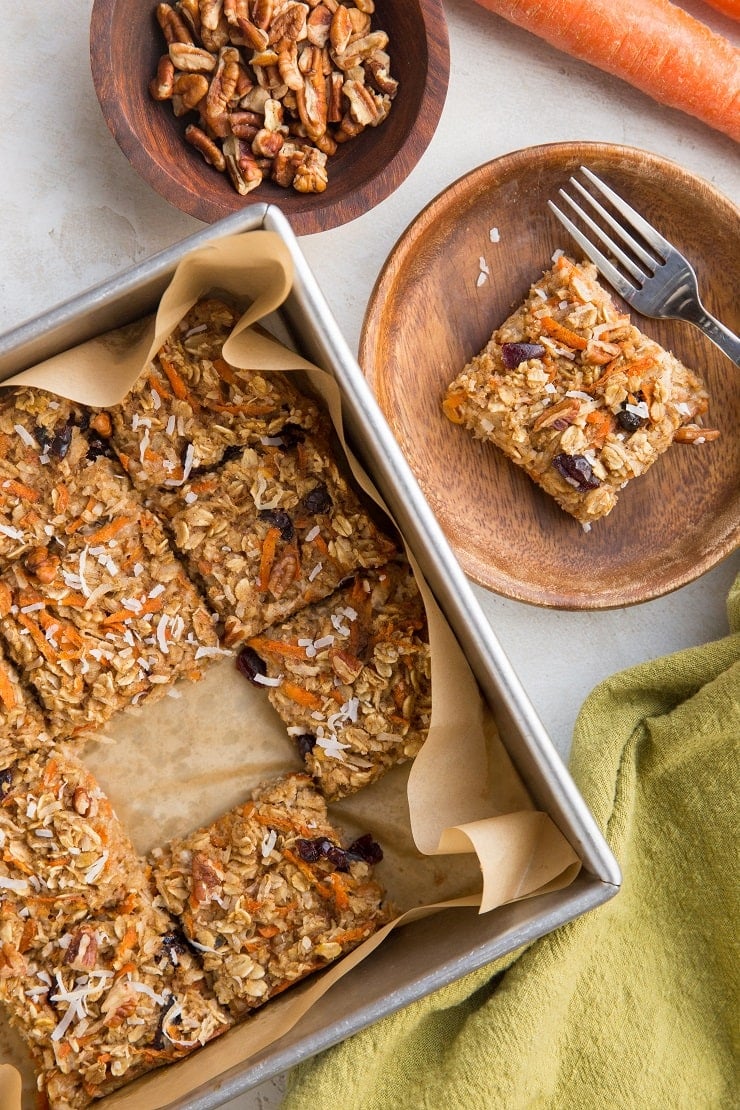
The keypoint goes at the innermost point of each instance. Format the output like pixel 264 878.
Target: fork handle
pixel 725 339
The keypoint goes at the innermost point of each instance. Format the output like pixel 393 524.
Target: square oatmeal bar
pixel 271 531
pixel 350 676
pixel 571 391
pixel 268 894
pixel 63 851
pixel 97 612
pixel 23 727
pixel 190 407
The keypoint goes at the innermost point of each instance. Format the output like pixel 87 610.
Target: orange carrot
pixel 108 530
pixel 652 44
pixel 301 696
pixel 563 334
pixel 727 7
pixel 7 690
pixel 277 647
pixel 20 490
pixel 269 546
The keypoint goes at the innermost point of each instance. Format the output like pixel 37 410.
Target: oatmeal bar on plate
pixel 576 395
pixel 350 676
pixel 268 894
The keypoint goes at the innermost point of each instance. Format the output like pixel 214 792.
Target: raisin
pixel 306 743
pixel 577 471
pixel 317 500
pixel 6 781
pixel 278 518
pixel 366 849
pixel 514 353
pixel 291 435
pixel 249 663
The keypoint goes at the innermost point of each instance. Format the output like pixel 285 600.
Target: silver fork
pixel 664 284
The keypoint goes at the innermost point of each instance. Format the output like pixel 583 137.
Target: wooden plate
pixel 428 316
pixel 125 45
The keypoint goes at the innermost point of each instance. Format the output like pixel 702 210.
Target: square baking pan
pixel 430 953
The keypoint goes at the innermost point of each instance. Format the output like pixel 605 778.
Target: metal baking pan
pixel 421 957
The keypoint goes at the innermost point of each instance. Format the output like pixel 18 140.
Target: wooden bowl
pixel 125 45
pixel 670 525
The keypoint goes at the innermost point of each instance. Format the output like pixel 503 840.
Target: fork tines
pixel 647 262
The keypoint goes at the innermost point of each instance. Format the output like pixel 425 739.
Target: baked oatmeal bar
pixel 271 532
pixel 40 445
pixel 576 395
pixel 63 851
pixel 189 407
pixel 268 893
pixel 350 676
pixel 98 614
pixel 115 995
pixel 23 727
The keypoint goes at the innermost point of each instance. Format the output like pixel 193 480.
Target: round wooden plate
pixel 125 45
pixel 428 316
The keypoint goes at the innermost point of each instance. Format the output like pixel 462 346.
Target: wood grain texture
pixel 427 317
pixel 125 45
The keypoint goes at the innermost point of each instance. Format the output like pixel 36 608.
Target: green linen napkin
pixel 634 1005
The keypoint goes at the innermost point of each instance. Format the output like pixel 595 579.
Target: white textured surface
pixel 74 213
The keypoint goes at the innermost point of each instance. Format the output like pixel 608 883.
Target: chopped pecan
pixel 346 667
pixel 198 138
pixel 289 23
pixel 365 106
pixel 192 59
pixel 340 29
pixel 206 879
pixel 161 86
pixel 190 88
pixel 694 433
pixel 42 564
pixel 558 416
pixel 311 175
pixel 221 90
pixel 318 24
pixel 241 166
pixel 82 951
pixel 262 13
pixel 288 64
pixel 311 99
pixel 173 27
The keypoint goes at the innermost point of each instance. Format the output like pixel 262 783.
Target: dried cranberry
pixel 42 436
pixel 313 850
pixel 338 857
pixel 98 448
pixel 61 442
pixel 317 500
pixel 577 471
pixel 366 849
pixel 6 781
pixel 174 944
pixel 249 663
pixel 630 421
pixel 291 435
pixel 278 518
pixel 514 353
pixel 306 743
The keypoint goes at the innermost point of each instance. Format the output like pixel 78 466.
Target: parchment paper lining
pixel 169 770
